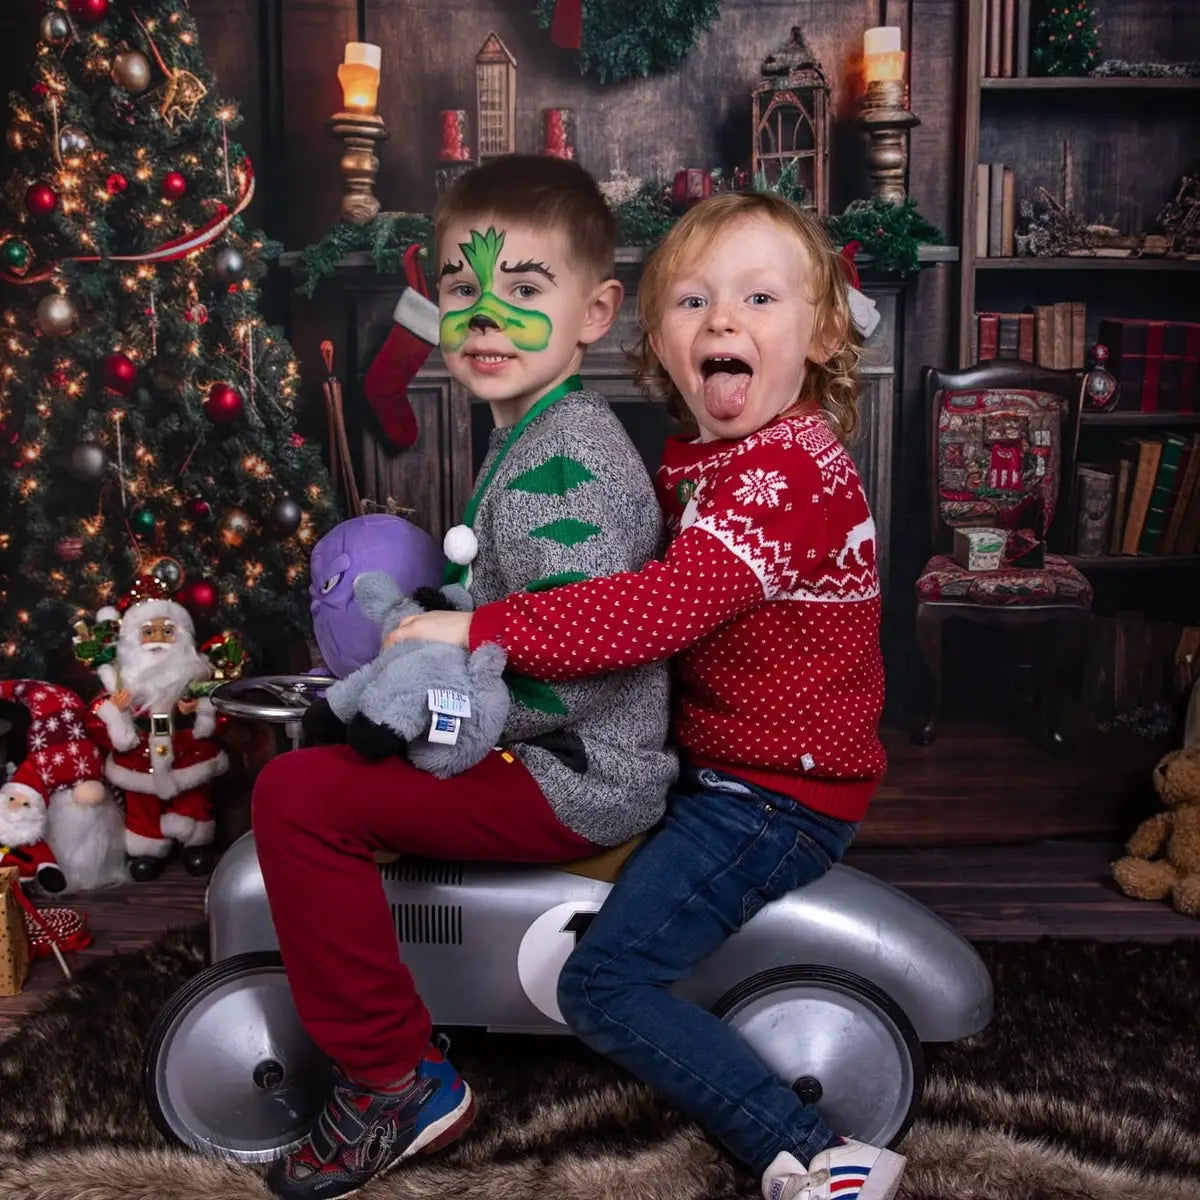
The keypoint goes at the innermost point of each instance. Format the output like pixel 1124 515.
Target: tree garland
pixel 384 239
pixel 628 39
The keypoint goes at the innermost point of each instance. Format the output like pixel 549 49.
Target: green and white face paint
pixel 527 329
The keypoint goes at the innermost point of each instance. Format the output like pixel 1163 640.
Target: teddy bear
pixel 1175 834
pixel 440 706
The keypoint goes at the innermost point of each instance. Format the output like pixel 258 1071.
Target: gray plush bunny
pixel 438 705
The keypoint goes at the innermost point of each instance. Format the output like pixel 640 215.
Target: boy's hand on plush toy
pixel 452 628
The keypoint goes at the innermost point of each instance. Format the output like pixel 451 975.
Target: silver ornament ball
pixel 88 462
pixel 73 142
pixel 56 315
pixel 131 71
pixel 55 29
pixel 230 265
pixel 168 572
pixel 285 516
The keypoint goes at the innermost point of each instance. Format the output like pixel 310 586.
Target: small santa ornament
pixel 23 833
pixel 161 750
pixel 84 826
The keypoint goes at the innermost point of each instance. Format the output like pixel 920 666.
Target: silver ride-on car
pixel 836 986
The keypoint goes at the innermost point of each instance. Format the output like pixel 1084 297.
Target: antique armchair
pixel 1002 440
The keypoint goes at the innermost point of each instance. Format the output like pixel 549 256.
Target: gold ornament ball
pixel 73 141
pixel 235 527
pixel 56 315
pixel 131 71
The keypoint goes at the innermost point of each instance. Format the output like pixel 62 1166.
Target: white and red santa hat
pixel 148 597
pixel 60 754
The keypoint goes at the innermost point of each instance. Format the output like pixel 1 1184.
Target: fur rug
pixel 1086 1087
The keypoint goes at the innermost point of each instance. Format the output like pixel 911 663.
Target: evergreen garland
pixel 645 218
pixel 1067 38
pixel 628 39
pixel 385 239
pixel 892 234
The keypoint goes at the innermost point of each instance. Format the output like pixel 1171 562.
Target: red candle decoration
pixel 89 12
pixel 119 374
pixel 454 146
pixel 224 404
pixel 558 139
pixel 116 183
pixel 41 200
pixel 174 186
pixel 199 597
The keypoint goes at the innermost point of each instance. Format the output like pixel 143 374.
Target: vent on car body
pixel 423 870
pixel 428 924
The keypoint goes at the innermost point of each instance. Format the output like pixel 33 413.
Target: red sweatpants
pixel 319 816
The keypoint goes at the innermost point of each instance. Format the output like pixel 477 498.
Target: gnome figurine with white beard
pixel 163 764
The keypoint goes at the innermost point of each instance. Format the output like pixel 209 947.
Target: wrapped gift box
pixel 979 548
pixel 14 943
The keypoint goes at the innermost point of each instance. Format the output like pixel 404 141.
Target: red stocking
pixel 395 366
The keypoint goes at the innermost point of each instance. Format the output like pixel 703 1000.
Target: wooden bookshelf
pixel 1089 83
pixel 1088 262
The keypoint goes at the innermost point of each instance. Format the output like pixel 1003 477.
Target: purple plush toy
pixel 346 636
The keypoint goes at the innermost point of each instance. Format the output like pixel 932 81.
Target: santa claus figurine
pixel 23 833
pixel 84 826
pixel 160 742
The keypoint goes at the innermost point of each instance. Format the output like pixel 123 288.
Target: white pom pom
pixel 863 312
pixel 108 614
pixel 460 545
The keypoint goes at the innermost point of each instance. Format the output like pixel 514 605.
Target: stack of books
pixel 1156 363
pixel 995 210
pixel 1146 502
pixel 1006 26
pixel 1051 335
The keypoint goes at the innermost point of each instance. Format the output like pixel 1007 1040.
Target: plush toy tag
pixel 444 728
pixel 449 702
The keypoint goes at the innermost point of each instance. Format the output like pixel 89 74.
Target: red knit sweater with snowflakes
pixel 768 596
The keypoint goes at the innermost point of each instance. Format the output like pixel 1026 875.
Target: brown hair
pixel 538 190
pixel 831 385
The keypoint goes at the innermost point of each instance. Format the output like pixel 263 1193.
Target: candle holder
pixel 361 128
pixel 360 132
pixel 887 121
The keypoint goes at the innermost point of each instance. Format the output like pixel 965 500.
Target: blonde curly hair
pixel 831 385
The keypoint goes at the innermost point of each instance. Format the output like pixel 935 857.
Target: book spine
pixel 1191 369
pixel 1094 512
pixel 1008 212
pixel 993 37
pixel 996 211
pixel 1160 497
pixel 982 190
pixel 1139 500
pixel 1155 335
pixel 1120 506
pixel 1008 38
pixel 1025 337
pixel 1078 333
pixel 1060 357
pixel 1023 34
pixel 1043 319
pixel 989 336
pixel 1189 470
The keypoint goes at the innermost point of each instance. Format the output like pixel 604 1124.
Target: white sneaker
pixel 851 1171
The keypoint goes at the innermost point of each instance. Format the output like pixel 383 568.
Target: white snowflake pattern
pixel 37 741
pixel 760 487
pixel 51 724
pixel 74 730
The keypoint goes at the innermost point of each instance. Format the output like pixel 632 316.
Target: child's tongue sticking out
pixel 726 385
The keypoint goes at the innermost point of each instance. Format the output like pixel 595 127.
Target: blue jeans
pixel 725 849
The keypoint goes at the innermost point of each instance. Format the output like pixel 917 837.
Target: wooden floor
pixel 1057 820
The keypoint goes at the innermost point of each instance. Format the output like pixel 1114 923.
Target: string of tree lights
pixel 147 416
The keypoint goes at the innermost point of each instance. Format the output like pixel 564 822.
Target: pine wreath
pixel 627 39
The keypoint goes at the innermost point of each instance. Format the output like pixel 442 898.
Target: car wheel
pixel 839 1042
pixel 228 1068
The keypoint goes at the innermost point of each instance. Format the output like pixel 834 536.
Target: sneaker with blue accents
pixel 850 1171
pixel 363 1133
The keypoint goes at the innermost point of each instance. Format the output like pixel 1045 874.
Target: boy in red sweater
pixel 768 598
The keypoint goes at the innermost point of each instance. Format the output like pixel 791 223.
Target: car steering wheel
pixel 276 699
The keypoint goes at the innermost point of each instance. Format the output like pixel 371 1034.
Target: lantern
pixel 790 110
pixel 496 97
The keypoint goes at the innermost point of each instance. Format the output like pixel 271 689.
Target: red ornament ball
pixel 41 200
pixel 119 374
pixel 199 597
pixel 174 186
pixel 116 183
pixel 89 12
pixel 39 91
pixel 223 404
pixel 199 509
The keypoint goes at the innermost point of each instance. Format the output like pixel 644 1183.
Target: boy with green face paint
pixel 524 285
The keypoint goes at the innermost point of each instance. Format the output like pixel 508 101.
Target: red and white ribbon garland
pixel 171 251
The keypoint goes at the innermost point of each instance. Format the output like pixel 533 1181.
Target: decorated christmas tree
pixel 146 408
pixel 1067 38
